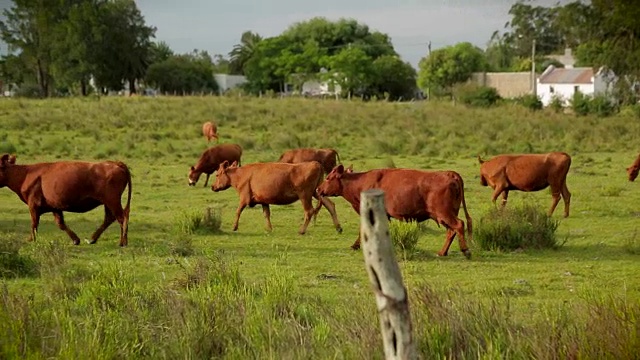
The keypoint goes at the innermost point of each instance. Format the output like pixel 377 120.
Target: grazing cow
pixel 328 158
pixel 72 186
pixel 211 159
pixel 409 195
pixel 632 170
pixel 275 184
pixel 528 172
pixel 210 131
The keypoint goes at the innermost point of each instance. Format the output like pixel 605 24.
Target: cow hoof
pixel 467 254
pixel 355 247
pixel 339 230
pixel 441 254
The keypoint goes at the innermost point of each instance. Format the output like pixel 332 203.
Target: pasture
pixel 178 293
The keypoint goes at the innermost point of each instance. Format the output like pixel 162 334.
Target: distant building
pixel 227 81
pixel 564 82
pixel 508 84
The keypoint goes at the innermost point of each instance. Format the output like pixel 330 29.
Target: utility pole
pixel 429 87
pixel 534 86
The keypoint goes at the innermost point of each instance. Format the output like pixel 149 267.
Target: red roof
pixel 568 76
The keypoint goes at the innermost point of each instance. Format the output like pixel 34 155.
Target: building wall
pixel 509 85
pixel 546 92
pixel 226 81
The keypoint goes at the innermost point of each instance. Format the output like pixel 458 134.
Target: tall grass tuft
pixel 404 236
pixel 516 227
pixel 190 221
pixel 13 263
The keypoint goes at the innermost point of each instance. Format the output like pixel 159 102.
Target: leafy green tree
pixel 450 65
pixel 29 27
pixel 393 78
pixel 262 69
pixel 183 74
pixel 243 52
pixel 352 69
pixel 159 51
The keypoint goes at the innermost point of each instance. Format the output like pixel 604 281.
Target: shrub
pixel 531 102
pixel 30 91
pixel 182 246
pixel 12 262
pixel 556 104
pixel 404 236
pixel 7 147
pixel 514 227
pixel 601 106
pixel 190 221
pixel 478 96
pixel 580 103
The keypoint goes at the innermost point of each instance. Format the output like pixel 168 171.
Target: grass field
pixel 280 295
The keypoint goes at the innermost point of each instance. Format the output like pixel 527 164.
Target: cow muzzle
pixel 192 183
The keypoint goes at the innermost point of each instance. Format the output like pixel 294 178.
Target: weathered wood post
pixel 385 276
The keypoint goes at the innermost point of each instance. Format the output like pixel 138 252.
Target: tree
pixel 450 65
pixel 159 52
pixel 29 27
pixel 183 74
pixel 241 53
pixel 352 69
pixel 394 77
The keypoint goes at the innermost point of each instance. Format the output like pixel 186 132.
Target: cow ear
pixel 340 169
pixel 350 168
pixel 193 168
pixel 224 165
pixel 12 159
pixel 234 164
pixel 4 160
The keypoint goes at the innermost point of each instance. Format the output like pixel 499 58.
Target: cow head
pixel 5 161
pixel 332 185
pixel 194 176
pixel 223 181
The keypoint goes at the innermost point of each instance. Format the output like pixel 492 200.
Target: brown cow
pixel 632 170
pixel 328 158
pixel 528 172
pixel 211 159
pixel 210 131
pixel 275 184
pixel 72 186
pixel 409 195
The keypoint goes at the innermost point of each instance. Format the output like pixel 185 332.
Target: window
pixel 551 89
pixel 575 89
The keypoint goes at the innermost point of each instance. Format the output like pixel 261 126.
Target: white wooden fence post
pixel 385 276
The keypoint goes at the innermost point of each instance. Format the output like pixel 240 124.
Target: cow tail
pixel 466 213
pixel 338 156
pixel 127 207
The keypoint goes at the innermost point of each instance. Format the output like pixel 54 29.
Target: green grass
pixel 187 290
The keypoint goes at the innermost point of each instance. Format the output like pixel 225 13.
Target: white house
pixel 226 81
pixel 317 87
pixel 564 82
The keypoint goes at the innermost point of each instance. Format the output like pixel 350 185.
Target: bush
pixel 190 221
pixel 556 104
pixel 512 228
pixel 404 236
pixel 601 106
pixel 477 96
pixel 30 91
pixel 580 103
pixel 12 263
pixel 531 102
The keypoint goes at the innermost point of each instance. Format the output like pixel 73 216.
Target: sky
pixel 216 26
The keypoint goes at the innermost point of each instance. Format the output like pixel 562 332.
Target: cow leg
pixel 60 221
pixel 505 195
pixel 308 213
pixel 447 242
pixel 356 244
pixel 238 212
pixel 35 221
pixel 331 208
pixel 555 193
pixel 566 196
pixel 496 192
pixel 455 227
pixel 267 216
pixel 109 218
pixel 206 180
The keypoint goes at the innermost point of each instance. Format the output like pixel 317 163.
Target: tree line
pixel 600 33
pixel 63 46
